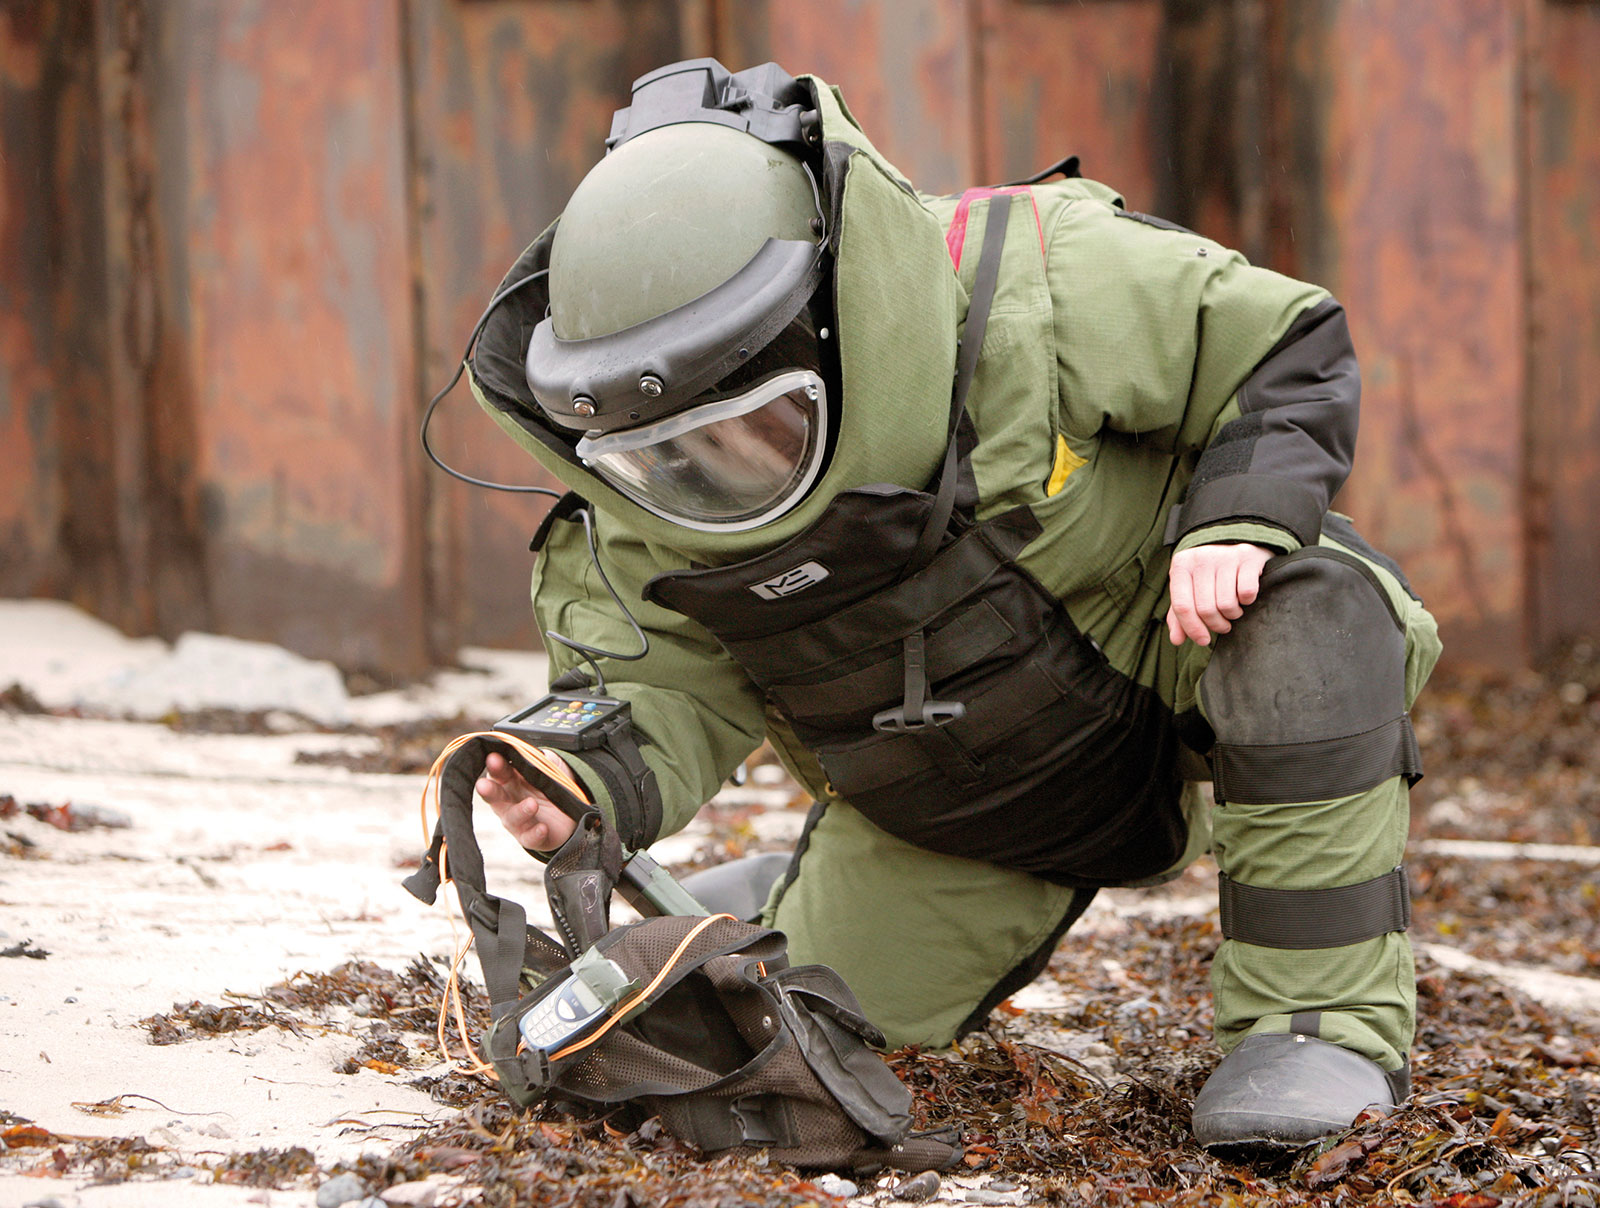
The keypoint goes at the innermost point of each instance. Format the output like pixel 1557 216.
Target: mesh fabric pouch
pixel 707 1027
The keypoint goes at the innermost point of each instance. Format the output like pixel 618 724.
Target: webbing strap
pixel 1314 918
pixel 1268 774
pixel 983 287
pixel 765 1121
pixel 499 926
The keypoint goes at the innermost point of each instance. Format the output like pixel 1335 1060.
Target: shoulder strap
pixel 504 939
pixel 983 287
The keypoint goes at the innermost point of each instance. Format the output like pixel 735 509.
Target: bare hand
pixel 1211 584
pixel 535 821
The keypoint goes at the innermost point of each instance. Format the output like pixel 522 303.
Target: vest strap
pixel 917 712
pixel 983 287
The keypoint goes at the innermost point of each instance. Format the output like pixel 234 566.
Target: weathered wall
pixel 1413 201
pixel 240 244
pixel 1562 480
pixel 509 105
pixel 52 258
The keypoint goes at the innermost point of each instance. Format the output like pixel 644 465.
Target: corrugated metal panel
pixel 1564 382
pixel 226 226
pixel 283 180
pixel 905 68
pixel 1418 233
pixel 1071 79
pixel 63 518
pixel 33 49
pixel 511 104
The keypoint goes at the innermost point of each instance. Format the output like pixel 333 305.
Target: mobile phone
pixel 590 988
pixel 562 1016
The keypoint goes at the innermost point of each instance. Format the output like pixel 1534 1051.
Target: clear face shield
pixel 726 465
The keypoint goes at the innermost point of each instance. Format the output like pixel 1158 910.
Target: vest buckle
pixel 916 711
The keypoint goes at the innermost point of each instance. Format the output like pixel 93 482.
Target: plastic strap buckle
pixel 917 711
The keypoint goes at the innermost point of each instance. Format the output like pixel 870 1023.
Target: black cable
pixel 590 653
pixel 427 416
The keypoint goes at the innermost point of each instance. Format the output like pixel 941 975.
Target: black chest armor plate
pixel 948 695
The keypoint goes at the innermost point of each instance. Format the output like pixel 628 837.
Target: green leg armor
pixel 928 942
pixel 1307 697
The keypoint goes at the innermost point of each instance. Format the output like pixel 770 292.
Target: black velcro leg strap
pixel 1314 918
pixel 1268 773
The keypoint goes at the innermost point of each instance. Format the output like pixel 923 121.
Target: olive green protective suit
pixel 1114 357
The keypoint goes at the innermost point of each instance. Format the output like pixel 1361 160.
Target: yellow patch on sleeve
pixel 1066 462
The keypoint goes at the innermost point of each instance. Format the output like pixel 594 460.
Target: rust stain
pixel 152 408
pixel 29 492
pixel 51 363
pixel 1073 79
pixel 209 377
pixel 298 287
pixel 1563 422
pixel 904 67
pixel 1425 253
pixel 510 106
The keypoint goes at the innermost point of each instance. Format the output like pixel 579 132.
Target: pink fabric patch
pixel 956 237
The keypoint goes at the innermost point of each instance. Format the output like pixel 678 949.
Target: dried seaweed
pixel 1512 755
pixel 276 1168
pixel 1088 1103
pixel 193 1020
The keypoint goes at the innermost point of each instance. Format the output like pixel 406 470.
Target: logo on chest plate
pixel 795 579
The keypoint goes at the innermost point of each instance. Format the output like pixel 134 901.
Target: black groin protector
pixel 1306 695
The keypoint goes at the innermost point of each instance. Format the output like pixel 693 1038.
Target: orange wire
pixel 638 998
pixel 551 766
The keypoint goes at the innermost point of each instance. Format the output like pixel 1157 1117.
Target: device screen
pixel 557 717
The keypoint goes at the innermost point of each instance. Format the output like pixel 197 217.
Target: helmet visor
pixel 732 464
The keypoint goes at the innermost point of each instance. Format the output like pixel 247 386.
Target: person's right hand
pixel 534 821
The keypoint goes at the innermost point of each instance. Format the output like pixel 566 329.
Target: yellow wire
pixel 552 767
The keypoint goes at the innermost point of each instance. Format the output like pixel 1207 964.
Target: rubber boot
pixel 739 887
pixel 1286 1090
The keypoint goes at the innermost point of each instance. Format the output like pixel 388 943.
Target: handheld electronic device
pixel 568 721
pixel 602 728
pixel 561 1017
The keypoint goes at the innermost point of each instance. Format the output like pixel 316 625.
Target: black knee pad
pixel 1306 695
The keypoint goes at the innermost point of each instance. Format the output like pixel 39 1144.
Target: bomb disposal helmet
pixel 680 348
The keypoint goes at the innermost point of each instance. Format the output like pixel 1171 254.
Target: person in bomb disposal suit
pixel 1005 518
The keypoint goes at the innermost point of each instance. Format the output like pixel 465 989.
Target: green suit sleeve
pixel 1177 343
pixel 695 710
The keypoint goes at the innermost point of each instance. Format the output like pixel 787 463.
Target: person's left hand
pixel 536 822
pixel 1211 584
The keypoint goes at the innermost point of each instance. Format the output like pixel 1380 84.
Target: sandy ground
pixel 238 868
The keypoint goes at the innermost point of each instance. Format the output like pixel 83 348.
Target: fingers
pixel 1185 619
pixel 1250 573
pixel 1211 586
pixel 533 819
pixel 501 785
